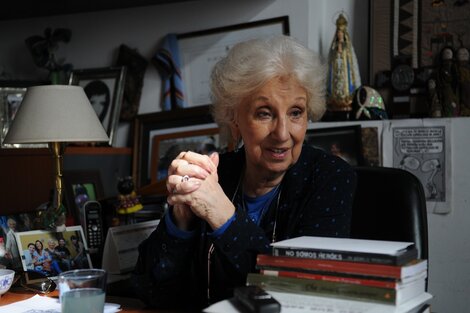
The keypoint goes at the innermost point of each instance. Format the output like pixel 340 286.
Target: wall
pixel 96 36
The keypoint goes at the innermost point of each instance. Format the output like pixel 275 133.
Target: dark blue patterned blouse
pixel 315 199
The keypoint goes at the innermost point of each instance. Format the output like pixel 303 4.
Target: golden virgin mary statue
pixel 343 70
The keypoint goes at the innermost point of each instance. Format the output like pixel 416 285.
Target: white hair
pixel 251 64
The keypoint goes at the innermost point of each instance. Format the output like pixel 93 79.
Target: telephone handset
pixel 93 225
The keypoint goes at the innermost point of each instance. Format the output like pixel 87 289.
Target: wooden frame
pixel 104 87
pixel 167 146
pixel 200 50
pixel 343 141
pixel 81 186
pixel 151 124
pixel 23 239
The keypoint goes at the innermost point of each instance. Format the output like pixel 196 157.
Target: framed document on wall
pixel 200 50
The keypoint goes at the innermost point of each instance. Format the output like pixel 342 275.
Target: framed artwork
pixel 343 141
pixel 200 50
pixel 51 253
pixel 11 96
pixel 442 24
pixel 167 146
pixel 166 122
pixel 371 153
pixel 104 88
pixel 80 187
pixel 136 65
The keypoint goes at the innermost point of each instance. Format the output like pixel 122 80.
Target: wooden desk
pixel 128 305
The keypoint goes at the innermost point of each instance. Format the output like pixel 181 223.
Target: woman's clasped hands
pixel 194 191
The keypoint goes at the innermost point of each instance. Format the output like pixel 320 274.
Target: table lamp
pixel 56 115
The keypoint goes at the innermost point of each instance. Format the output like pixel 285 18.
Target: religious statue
pixel 343 70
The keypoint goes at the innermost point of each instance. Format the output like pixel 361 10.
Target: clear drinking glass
pixel 82 290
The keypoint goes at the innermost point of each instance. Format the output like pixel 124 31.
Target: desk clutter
pixel 381 272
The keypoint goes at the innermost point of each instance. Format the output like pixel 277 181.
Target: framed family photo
pixel 51 253
pixel 167 146
pixel 343 141
pixel 11 96
pixel 104 88
pixel 149 125
pixel 80 187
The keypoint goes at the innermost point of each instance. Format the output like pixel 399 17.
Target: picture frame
pixel 9 225
pixel 104 88
pixel 11 96
pixel 342 141
pixel 136 65
pixel 167 146
pixel 50 261
pixel 80 187
pixel 200 50
pixel 151 124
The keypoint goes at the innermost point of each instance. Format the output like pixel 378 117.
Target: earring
pixel 238 144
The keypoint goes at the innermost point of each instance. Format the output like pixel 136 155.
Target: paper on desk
pixel 44 304
pixel 294 303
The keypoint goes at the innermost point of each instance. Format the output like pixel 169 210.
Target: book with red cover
pixel 393 271
pixel 395 296
pixel 345 278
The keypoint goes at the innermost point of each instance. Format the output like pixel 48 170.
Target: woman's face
pixel 272 123
pixel 98 103
pixel 39 245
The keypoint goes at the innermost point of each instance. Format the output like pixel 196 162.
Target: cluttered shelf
pixel 27 173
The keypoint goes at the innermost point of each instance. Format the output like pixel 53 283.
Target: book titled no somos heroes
pixel 347 249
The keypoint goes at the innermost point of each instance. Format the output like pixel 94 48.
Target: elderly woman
pixel 225 211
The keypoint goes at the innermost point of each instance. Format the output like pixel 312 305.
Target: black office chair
pixel 390 204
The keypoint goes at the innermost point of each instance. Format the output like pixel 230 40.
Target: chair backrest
pixel 389 204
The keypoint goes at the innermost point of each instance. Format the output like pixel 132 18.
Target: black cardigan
pixel 315 199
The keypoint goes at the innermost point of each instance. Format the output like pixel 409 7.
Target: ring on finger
pixel 185 178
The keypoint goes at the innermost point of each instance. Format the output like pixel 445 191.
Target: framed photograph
pixel 343 141
pixel 11 96
pixel 167 146
pixel 200 50
pixel 9 225
pixel 166 122
pixel 51 253
pixel 104 88
pixel 80 187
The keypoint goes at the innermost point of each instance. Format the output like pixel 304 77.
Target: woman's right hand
pixel 183 217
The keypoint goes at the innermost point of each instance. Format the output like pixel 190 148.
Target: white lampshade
pixel 55 113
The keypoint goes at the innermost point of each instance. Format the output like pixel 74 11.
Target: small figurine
pixel 368 105
pixel 463 72
pixel 447 83
pixel 435 108
pixel 129 202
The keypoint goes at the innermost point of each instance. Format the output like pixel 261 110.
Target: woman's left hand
pixel 204 196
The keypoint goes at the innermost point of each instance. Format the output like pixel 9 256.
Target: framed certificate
pixel 200 50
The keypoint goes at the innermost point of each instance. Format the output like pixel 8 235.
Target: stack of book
pixel 368 270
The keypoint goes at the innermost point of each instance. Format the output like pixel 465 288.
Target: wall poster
pixel 425 151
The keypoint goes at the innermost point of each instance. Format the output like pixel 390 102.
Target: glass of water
pixel 82 290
